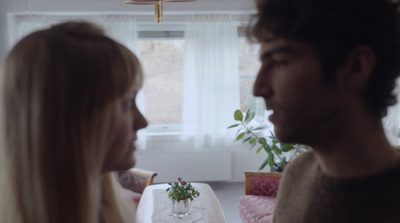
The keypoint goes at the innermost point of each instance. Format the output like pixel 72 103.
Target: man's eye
pixel 280 63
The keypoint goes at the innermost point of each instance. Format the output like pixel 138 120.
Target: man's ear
pixel 357 69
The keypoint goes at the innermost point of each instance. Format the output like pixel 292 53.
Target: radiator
pixel 191 166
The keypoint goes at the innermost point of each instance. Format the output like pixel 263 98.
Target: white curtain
pixel 211 79
pixel 25 24
pixel 119 27
pixel 391 122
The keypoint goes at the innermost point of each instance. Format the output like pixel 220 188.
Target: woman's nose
pixel 140 121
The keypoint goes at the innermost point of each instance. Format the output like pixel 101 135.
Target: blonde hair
pixel 59 86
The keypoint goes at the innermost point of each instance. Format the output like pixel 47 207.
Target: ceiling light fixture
pixel 158 6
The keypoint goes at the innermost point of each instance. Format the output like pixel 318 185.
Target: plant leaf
pixel 259 149
pixel 238 115
pixel 267 148
pixel 238 131
pixel 264 164
pixel 240 136
pixel 262 141
pixel 253 141
pixel 247 139
pixel 249 116
pixel 271 159
pixel 259 128
pixel 287 147
pixel 233 126
pixel 252 145
pixel 276 149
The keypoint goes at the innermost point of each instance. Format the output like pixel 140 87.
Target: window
pixel 162 62
pixel 249 65
pixel 161 54
pixel 161 50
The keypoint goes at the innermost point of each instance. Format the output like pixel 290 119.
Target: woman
pixel 69 118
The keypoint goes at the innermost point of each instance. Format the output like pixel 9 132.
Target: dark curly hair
pixel 334 28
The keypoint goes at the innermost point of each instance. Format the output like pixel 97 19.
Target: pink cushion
pixel 131 195
pixel 267 186
pixel 256 209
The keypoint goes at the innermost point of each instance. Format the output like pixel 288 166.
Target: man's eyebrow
pixel 268 54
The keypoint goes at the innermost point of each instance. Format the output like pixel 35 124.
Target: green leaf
pixel 262 141
pixel 253 145
pixel 240 130
pixel 267 148
pixel 259 149
pixel 272 134
pixel 233 126
pixel 249 116
pixel 253 141
pixel 247 139
pixel 276 149
pixel 287 147
pixel 264 164
pixel 271 160
pixel 259 128
pixel 238 115
pixel 240 136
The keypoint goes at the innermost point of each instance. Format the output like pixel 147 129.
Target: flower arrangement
pixel 182 190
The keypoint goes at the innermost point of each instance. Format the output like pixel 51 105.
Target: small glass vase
pixel 180 209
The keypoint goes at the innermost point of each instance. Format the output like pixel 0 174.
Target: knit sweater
pixel 307 195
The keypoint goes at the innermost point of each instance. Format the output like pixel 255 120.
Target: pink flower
pixel 183 183
pixel 179 179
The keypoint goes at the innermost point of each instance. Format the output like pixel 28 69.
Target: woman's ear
pixel 358 67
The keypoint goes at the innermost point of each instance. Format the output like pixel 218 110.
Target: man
pixel 328 71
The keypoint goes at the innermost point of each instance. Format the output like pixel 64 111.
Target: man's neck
pixel 358 151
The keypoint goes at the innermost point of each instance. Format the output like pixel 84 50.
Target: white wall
pixel 243 158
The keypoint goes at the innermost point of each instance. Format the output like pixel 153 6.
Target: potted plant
pixel 278 154
pixel 181 191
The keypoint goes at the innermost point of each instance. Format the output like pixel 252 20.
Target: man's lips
pixel 272 117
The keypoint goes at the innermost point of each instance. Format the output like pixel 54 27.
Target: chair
pixel 258 203
pixel 134 181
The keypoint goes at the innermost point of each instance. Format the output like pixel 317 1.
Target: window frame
pixel 175 31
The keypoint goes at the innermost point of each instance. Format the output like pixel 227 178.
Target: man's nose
pixel 262 85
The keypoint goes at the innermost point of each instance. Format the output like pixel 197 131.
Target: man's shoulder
pixel 305 159
pixel 303 165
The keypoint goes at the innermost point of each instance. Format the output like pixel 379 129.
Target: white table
pixel 213 207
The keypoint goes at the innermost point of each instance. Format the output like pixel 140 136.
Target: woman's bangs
pixel 130 72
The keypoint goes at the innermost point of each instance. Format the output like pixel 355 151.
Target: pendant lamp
pixel 158 6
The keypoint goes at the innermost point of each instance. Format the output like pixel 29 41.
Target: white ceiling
pixel 199 6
